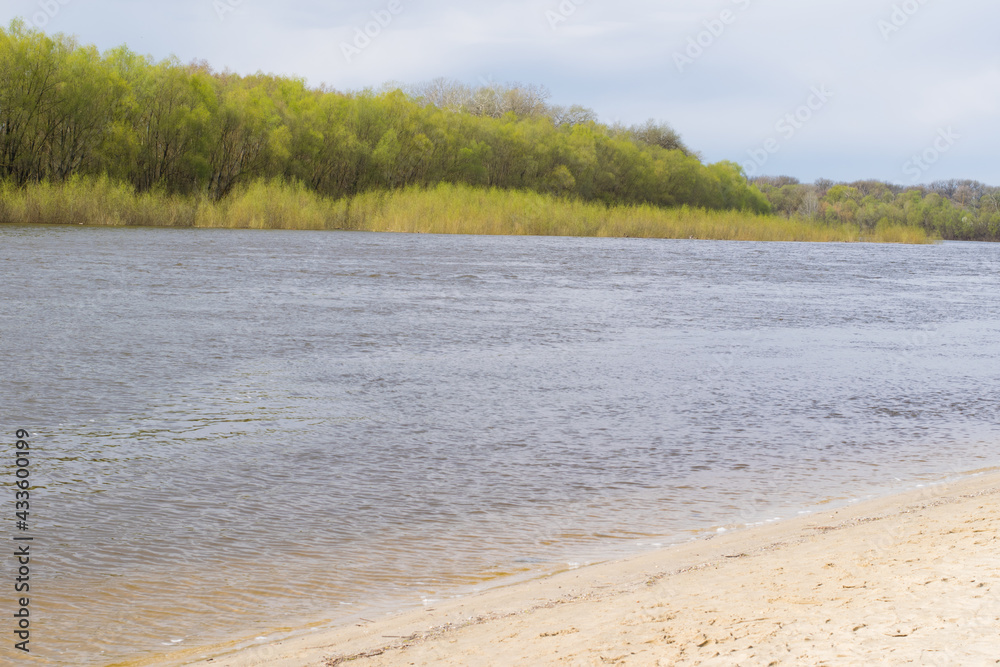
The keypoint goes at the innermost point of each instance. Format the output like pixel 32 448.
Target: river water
pixel 238 431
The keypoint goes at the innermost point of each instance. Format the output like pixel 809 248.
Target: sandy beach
pixel 912 578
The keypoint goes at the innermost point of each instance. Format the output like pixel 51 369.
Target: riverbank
pixel 908 578
pixel 444 209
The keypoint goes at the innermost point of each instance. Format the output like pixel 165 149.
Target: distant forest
pixel 71 114
pixel 954 209
pixel 66 109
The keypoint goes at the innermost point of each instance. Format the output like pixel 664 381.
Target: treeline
pixel 68 110
pixel 956 209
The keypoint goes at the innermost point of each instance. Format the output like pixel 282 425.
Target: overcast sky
pixel 904 91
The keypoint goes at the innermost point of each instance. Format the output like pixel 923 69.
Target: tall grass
pixel 445 209
pixel 93 201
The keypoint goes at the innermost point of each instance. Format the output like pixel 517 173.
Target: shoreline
pixel 906 574
pixel 441 209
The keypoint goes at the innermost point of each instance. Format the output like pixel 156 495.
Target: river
pixel 238 431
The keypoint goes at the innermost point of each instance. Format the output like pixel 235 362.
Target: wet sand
pixel 908 579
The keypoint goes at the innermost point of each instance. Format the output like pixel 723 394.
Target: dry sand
pixel 909 579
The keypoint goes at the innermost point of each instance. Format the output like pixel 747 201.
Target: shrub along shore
pixel 441 209
pixel 117 138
